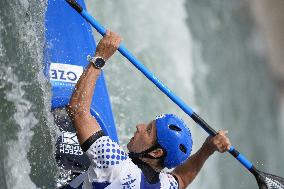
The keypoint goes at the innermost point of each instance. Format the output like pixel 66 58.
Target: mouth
pixel 133 136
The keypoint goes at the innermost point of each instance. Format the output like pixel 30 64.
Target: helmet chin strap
pixel 151 173
pixel 145 153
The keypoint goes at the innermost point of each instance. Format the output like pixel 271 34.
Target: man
pixel 164 142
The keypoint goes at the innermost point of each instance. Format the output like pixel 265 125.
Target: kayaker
pixel 164 142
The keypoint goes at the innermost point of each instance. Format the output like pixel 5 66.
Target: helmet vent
pixel 182 148
pixel 175 128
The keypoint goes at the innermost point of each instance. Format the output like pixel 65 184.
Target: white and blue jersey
pixel 111 168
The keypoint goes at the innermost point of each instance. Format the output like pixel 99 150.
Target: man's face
pixel 144 137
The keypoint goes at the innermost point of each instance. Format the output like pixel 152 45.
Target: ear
pixel 157 153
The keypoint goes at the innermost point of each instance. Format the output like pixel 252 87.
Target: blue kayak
pixel 69 41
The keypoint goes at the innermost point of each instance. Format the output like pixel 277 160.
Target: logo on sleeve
pixel 129 182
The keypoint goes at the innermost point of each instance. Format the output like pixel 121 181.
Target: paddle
pixel 264 180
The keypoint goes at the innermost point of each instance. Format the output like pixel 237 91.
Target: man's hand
pixel 188 171
pixel 108 45
pixel 220 143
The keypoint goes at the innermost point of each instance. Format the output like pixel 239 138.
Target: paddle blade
pixel 268 181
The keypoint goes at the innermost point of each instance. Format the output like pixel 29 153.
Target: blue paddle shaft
pixel 245 162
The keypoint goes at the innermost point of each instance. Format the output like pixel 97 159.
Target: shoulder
pixel 106 151
pixel 108 161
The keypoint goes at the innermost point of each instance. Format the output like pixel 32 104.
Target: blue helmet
pixel 175 138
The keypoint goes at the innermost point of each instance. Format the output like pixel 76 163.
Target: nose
pixel 139 127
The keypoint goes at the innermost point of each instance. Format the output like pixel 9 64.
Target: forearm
pixel 80 103
pixel 189 170
pixel 81 99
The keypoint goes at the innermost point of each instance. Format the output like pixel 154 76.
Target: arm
pixel 187 172
pixel 80 103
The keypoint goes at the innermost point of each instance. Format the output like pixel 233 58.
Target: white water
pixel 16 164
pixel 24 109
pixel 16 160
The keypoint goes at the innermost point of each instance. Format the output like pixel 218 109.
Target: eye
pixel 149 130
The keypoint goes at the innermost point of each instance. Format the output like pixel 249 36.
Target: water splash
pixel 16 161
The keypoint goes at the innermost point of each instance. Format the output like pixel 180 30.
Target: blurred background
pixel 223 58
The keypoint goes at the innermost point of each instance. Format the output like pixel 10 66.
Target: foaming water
pixel 17 166
pixel 26 125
